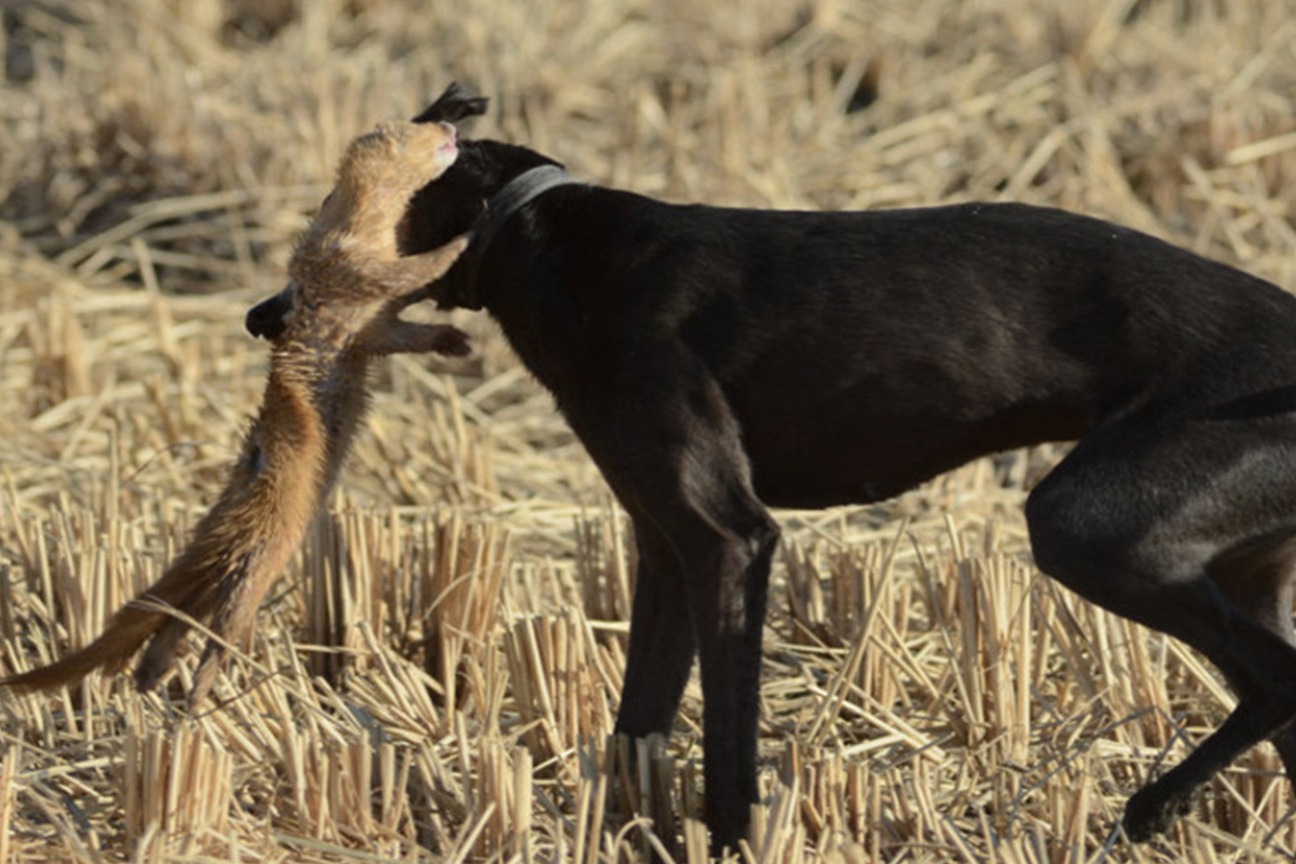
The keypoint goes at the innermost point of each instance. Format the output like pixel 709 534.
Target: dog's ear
pixel 453 105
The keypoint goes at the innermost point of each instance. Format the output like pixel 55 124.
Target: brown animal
pixel 349 284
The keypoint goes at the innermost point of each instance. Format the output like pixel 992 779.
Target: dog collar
pixel 500 207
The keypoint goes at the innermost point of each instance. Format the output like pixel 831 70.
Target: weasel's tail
pixel 130 627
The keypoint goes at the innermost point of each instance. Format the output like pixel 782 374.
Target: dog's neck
pixel 500 207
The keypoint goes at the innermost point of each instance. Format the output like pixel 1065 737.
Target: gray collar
pixel 500 207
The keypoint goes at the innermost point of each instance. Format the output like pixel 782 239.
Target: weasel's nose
pixel 266 319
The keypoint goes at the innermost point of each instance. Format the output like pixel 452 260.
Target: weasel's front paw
pixel 450 341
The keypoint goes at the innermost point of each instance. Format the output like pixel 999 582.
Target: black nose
pixel 266 319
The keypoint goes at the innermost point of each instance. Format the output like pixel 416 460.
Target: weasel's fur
pixel 348 285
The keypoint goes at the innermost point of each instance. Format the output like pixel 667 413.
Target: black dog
pixel 718 361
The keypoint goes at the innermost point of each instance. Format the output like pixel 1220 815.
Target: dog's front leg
pixel 662 643
pixel 672 451
pixel 728 590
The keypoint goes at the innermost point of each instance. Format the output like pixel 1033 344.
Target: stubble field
pixel 435 677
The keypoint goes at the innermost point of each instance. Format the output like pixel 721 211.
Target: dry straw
pixel 436 678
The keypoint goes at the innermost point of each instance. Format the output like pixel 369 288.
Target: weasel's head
pixel 379 174
pixel 394 186
pixel 347 269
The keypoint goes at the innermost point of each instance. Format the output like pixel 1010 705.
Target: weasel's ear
pixel 453 105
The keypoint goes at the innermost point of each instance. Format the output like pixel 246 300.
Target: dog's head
pixel 457 201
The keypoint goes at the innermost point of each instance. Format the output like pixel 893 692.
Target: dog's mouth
pixel 450 146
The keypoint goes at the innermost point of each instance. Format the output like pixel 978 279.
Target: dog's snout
pixel 451 144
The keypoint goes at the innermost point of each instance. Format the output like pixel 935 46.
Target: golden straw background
pixel 435 679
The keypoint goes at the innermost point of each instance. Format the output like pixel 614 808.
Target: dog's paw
pixel 1151 811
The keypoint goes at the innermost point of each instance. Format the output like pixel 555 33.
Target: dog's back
pixel 864 352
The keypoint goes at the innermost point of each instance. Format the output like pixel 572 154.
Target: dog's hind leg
pixel 1145 518
pixel 670 448
pixel 1258 578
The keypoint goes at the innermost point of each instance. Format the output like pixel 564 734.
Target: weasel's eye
pixel 255 458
